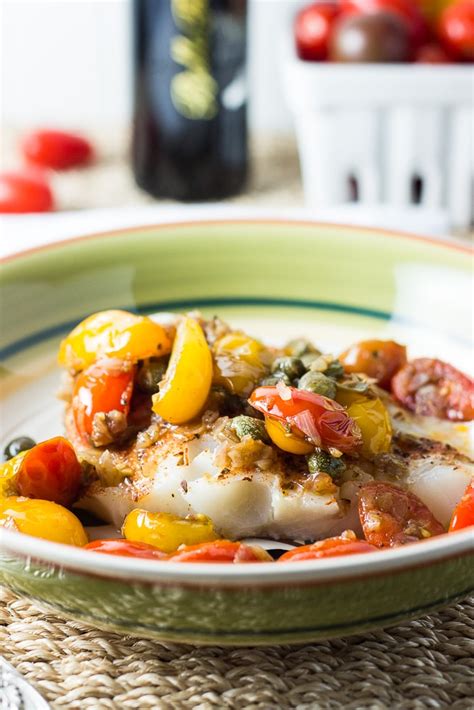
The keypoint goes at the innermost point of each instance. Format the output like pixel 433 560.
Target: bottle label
pixel 194 91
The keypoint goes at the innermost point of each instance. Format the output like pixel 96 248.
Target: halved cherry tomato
pixel 50 471
pixel 391 516
pixel 57 149
pixel 435 388
pixel 323 421
pixel 126 548
pixel 313 26
pixel 221 551
pixel 406 9
pixel 463 516
pixel 456 30
pixel 287 440
pixel 331 547
pixel 379 359
pixel 104 387
pixel 113 334
pixel 24 192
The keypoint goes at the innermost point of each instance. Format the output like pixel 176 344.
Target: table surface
pixel 428 663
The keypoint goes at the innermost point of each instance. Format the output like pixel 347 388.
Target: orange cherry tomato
pixel 24 192
pixel 323 421
pixel 331 547
pixel 105 386
pixel 463 516
pixel 391 516
pixel 220 551
pixel 57 149
pixel 50 471
pixel 379 359
pixel 434 388
pixel 456 30
pixel 126 548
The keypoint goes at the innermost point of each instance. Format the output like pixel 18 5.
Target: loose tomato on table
pixel 58 150
pixel 331 547
pixel 391 516
pixel 456 30
pixel 463 516
pixel 112 334
pixel 50 471
pixel 408 10
pixel 434 388
pixel 106 386
pixel 379 359
pixel 322 421
pixel 22 192
pixel 221 551
pixel 313 25
pixel 126 548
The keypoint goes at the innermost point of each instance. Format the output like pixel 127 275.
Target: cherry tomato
pixel 221 551
pixel 24 192
pixel 432 53
pixel 57 149
pixel 126 548
pixel 323 421
pixel 331 547
pixel 391 516
pixel 312 30
pixel 379 359
pixel 406 9
pixel 434 388
pixel 104 387
pixel 456 30
pixel 463 515
pixel 50 471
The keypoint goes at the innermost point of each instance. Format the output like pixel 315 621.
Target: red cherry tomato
pixel 463 516
pixel 126 548
pixel 456 30
pixel 434 388
pixel 391 516
pixel 331 547
pixel 379 359
pixel 50 471
pixel 24 192
pixel 407 9
pixel 324 422
pixel 106 386
pixel 313 26
pixel 220 551
pixel 57 149
pixel 431 53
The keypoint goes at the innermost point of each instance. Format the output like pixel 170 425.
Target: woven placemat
pixel 428 663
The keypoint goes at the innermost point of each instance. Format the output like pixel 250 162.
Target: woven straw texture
pixel 428 663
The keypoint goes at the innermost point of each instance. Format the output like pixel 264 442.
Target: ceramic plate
pixel 278 280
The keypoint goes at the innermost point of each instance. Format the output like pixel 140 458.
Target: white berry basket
pixel 392 134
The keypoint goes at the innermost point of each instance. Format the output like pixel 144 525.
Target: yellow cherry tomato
pixel 374 422
pixel 239 362
pixel 167 532
pixel 8 473
pixel 113 334
pixel 185 387
pixel 285 441
pixel 42 518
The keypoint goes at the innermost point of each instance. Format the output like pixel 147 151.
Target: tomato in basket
pixel 313 26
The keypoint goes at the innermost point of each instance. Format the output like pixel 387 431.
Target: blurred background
pixel 349 118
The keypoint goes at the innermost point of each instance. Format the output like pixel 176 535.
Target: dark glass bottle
pixel 190 132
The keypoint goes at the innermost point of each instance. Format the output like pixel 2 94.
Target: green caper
pixel 249 426
pixel 318 383
pixel 320 461
pixel 290 366
pixel 309 358
pixel 151 373
pixel 300 347
pixel 334 370
pixel 275 379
